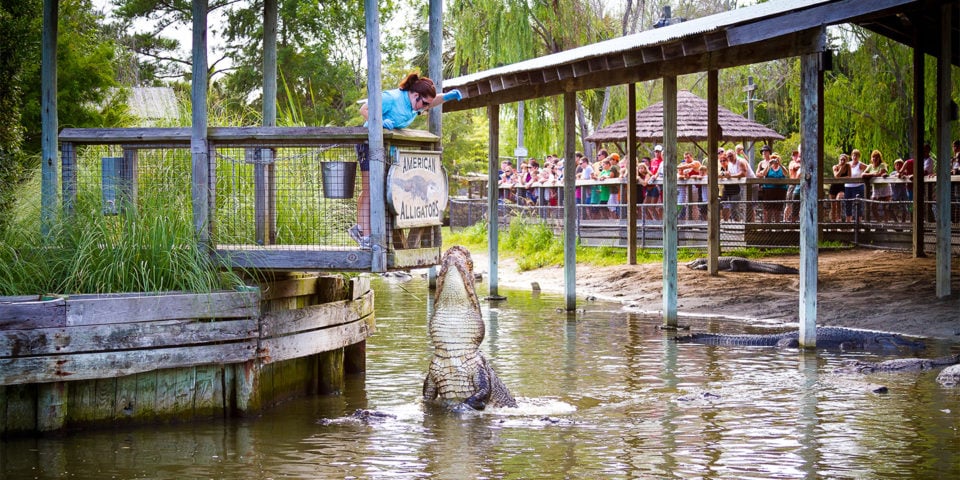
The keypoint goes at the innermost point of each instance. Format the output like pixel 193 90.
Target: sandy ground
pixel 859 288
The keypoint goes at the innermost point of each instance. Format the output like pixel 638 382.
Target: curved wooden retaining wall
pixel 136 358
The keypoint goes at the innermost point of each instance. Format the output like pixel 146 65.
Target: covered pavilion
pixel 691 125
pixel 758 33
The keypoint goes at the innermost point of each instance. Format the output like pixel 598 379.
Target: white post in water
pixel 669 169
pixel 944 148
pixel 493 163
pixel 569 201
pixel 811 121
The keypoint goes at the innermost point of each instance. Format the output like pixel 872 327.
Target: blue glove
pixel 452 95
pixel 388 124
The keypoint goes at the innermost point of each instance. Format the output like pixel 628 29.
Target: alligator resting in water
pixel 740 264
pixel 898 365
pixel 827 337
pixel 459 372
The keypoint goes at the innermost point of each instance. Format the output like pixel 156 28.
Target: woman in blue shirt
pixel 400 107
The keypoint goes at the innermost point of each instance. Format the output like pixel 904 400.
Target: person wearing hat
pixel 773 194
pixel 765 151
pixel 655 164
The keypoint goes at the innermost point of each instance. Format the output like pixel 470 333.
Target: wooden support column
pixel 570 201
pixel 49 123
pixel 713 194
pixel 631 185
pixel 199 146
pixel 811 136
pixel 918 121
pixel 378 184
pixel 493 164
pixel 264 170
pixel 669 169
pixel 51 406
pixel 944 149
pixel 435 71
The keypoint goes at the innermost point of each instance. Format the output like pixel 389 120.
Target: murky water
pixel 603 393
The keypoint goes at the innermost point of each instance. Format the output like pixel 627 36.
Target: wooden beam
pixel 713 199
pixel 493 164
pixel 569 201
pixel 199 147
pixel 377 156
pixel 919 205
pixel 811 123
pixel 655 66
pixel 48 116
pixel 669 169
pixel 632 187
pixel 943 189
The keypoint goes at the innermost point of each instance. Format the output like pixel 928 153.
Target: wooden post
pixel 331 378
pixel 264 172
pixel 669 169
pixel 199 148
pixel 378 219
pixel 51 406
pixel 435 69
pixel 811 122
pixel 570 201
pixel 631 185
pixel 713 197
pixel 49 123
pixel 493 163
pixel 944 149
pixel 918 122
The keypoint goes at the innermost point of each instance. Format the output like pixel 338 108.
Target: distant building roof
pixel 691 124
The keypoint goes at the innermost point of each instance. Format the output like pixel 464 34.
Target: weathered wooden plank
pixel 672 50
pixel 82 400
pixel 329 289
pixel 358 287
pixel 32 314
pixel 82 310
pixel 185 384
pixel 313 342
pixel 208 400
pixel 145 407
pixel 126 397
pixel 289 287
pixel 114 364
pixel 414 257
pixel 3 409
pixel 166 391
pixel 297 260
pixel 330 374
pixel 51 406
pixel 21 408
pixel 100 338
pixel 105 394
pixel 325 315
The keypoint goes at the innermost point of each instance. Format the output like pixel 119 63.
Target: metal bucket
pixel 339 179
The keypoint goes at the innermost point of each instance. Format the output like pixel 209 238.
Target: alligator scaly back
pixel 827 337
pixel 459 372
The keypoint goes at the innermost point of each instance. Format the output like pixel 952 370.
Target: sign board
pixel 520 152
pixel 417 189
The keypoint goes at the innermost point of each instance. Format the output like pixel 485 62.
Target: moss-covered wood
pixel 86 366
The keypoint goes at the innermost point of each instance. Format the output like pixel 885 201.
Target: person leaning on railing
pixel 879 191
pixel 773 194
pixel 400 107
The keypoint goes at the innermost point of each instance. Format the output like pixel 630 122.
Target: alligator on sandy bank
pixel 898 365
pixel 827 337
pixel 740 264
pixel 459 372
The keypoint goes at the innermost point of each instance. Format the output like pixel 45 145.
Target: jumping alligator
pixel 898 365
pixel 827 337
pixel 740 264
pixel 459 372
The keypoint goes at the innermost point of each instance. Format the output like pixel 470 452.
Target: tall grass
pixel 149 247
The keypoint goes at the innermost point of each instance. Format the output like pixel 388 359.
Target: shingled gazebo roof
pixel 691 124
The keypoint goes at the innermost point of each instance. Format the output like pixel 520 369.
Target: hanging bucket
pixel 339 179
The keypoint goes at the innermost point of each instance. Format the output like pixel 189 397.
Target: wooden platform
pixel 85 360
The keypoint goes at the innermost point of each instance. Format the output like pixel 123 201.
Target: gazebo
pixel 691 125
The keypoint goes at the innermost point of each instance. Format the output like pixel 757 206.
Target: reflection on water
pixel 602 393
